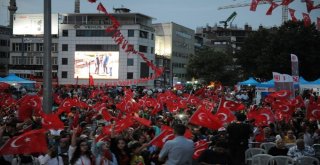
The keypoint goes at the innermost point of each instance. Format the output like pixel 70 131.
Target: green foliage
pixel 268 51
pixel 209 65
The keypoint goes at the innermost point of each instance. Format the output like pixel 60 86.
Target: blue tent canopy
pixel 12 78
pixel 270 83
pixel 250 81
pixel 303 81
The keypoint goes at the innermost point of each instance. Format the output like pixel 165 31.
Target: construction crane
pixel 261 2
pixel 229 19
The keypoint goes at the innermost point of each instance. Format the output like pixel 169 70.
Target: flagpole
pixel 47 65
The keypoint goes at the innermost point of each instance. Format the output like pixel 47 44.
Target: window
pixel 130 33
pixel 130 75
pixel 29 60
pixel 4 43
pixel 144 70
pixel 54 47
pixel 86 47
pixel 152 50
pixel 152 36
pixel 28 47
pixel 54 60
pixel 15 47
pixel 143 49
pixel 39 47
pixel 64 47
pixel 64 74
pixel 65 33
pixel 64 61
pixel 39 60
pixel 143 34
pixel 130 62
pixel 93 33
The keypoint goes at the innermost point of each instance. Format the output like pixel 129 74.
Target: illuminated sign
pixel 99 64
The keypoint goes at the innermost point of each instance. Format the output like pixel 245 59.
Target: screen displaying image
pixel 101 65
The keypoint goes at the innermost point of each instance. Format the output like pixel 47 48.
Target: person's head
pixel 267 131
pixel 280 143
pixel 52 151
pixel 135 148
pixel 82 148
pixel 179 129
pixel 300 144
pixel 121 144
pixel 241 117
pixel 290 134
pixel 101 146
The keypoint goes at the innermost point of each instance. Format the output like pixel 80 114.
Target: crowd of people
pixel 91 133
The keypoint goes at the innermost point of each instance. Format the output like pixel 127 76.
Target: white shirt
pixel 179 151
pixel 83 160
pixel 47 160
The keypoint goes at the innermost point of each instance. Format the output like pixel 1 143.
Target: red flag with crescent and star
pixel 204 118
pixel 30 142
pixel 199 147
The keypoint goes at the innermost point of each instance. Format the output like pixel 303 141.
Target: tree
pixel 268 50
pixel 210 65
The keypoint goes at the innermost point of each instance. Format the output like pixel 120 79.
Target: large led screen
pixel 101 65
pixel 33 24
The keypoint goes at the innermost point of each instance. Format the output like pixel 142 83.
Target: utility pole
pixel 47 65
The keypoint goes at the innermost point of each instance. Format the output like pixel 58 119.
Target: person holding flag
pixel 179 150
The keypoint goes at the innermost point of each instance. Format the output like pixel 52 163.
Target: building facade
pixel 177 43
pixel 228 40
pixel 86 49
pixel 81 47
pixel 5 33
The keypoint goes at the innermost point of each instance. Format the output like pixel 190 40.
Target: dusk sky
pixel 189 13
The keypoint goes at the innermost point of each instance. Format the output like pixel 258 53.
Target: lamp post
pixel 47 65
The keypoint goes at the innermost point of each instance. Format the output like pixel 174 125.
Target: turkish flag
pixel 199 147
pixel 91 81
pixel 29 105
pixel 284 107
pixel 204 118
pixel 298 102
pixel 254 4
pixel 57 99
pixel 225 115
pixel 232 105
pixel 272 7
pixel 142 121
pixel 158 107
pixel 51 121
pixel 128 105
pixel 7 101
pixel 188 134
pixel 309 5
pixel 119 126
pixel 313 111
pixel 92 1
pixel 281 94
pixel 66 105
pixel 286 2
pixel 101 8
pixel 162 138
pixel 30 142
pixel 4 86
pixel 293 17
pixel 306 19
pixel 178 86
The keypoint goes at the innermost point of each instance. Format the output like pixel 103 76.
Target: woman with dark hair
pixel 79 153
pixel 119 147
pixel 51 158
